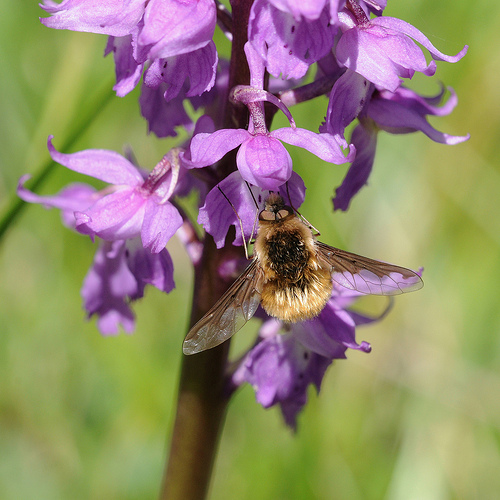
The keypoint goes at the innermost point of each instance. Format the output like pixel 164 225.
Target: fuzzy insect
pixel 291 276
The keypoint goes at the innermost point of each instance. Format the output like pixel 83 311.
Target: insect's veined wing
pixel 229 314
pixel 367 275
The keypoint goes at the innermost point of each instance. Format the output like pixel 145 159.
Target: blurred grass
pixel 82 416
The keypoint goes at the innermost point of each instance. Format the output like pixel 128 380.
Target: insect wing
pixel 229 314
pixel 367 275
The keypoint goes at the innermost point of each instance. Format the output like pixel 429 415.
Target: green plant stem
pixel 16 205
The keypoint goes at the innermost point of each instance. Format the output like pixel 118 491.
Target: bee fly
pixel 291 276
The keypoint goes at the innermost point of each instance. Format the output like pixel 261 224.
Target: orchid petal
pixel 349 95
pixel 409 30
pixel 173 27
pixel 113 17
pixel 156 269
pixel 365 140
pixel 102 164
pixel 106 289
pixel 117 216
pixel 72 198
pixel 324 146
pixel 162 116
pixel 394 118
pixel 128 71
pixel 161 221
pixel 264 162
pixel 206 149
pixel 217 215
pixel 382 56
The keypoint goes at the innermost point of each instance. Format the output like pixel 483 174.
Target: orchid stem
pixel 202 399
pixel 203 395
pixel 201 409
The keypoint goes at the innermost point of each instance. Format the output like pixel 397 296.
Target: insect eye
pixel 267 215
pixel 283 213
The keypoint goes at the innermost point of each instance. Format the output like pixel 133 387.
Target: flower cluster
pixel 293 52
pixel 133 216
pixel 281 367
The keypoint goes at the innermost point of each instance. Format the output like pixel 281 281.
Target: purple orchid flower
pixel 131 206
pixel 262 160
pixel 106 288
pixel 280 367
pixel 382 50
pixel 198 67
pixel 121 268
pixel 399 112
pixel 166 87
pixel 118 275
pixel 163 28
pixel 288 46
pixel 171 38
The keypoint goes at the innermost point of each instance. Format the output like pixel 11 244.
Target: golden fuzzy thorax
pixel 296 286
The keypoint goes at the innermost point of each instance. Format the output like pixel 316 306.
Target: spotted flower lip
pixel 172 39
pixel 289 45
pixel 132 205
pixel 299 8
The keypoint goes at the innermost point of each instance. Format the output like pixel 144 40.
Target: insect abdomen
pixel 299 301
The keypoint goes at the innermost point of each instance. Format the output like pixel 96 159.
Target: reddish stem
pixel 202 401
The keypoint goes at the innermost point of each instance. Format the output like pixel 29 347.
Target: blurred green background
pixel 82 416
